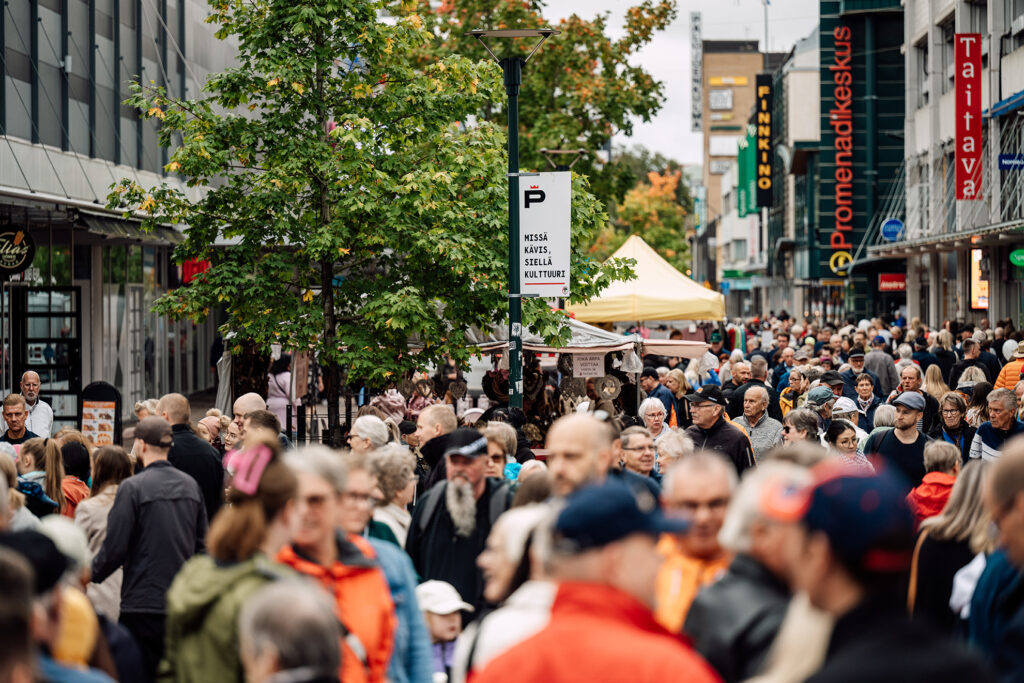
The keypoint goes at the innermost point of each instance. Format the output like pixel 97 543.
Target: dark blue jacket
pixel 925 360
pixel 662 393
pixel 866 420
pixel 988 622
pixel 850 383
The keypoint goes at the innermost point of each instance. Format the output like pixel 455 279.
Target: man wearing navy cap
pixel 652 386
pixel 710 430
pixel 602 629
pixel 452 520
pixel 882 364
pixel 850 551
pixel 903 445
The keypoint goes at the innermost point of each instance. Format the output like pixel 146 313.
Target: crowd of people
pixel 823 503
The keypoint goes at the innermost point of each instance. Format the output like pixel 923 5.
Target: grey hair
pixel 1017 386
pixel 745 364
pixel 736 356
pixel 675 445
pixel 322 462
pixel 394 466
pixel 503 434
pixel 761 390
pixel 915 368
pixel 1008 398
pixel 700 461
pixel 940 456
pixel 905 351
pixel 373 428
pixel 812 372
pixel 628 432
pixel 802 419
pixel 744 508
pixel 296 619
pixel 758 367
pixel 885 415
pixel 649 403
pixel 972 375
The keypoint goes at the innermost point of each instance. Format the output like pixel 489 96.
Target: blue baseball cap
pixel 597 515
pixel 879 339
pixel 866 518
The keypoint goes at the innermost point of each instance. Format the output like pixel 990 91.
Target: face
pixel 357 502
pixel 703 498
pixel 791 434
pixel 857 363
pixel 359 444
pixel 495 463
pixel 444 628
pixel 471 470
pixel 864 389
pixel 496 565
pixel 316 510
pixel 30 386
pixel 705 413
pixel 910 380
pixel 787 356
pixel 753 404
pixel 951 415
pixel 15 416
pixel 905 417
pixel 1009 519
pixel 648 384
pixel 847 442
pixel 425 431
pixel 639 455
pixel 232 436
pixel 671 384
pixel 655 419
pixel 25 462
pixel 742 374
pixel 782 341
pixel 572 459
pixel 999 415
pixel 836 343
pixel 796 380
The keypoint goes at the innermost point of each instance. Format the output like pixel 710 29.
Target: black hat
pixel 708 392
pixel 649 372
pixel 48 563
pixel 467 442
pixel 921 340
pixel 856 352
pixel 832 378
pixel 155 431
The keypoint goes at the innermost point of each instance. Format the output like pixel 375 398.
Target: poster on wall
pixel 98 421
pixel 979 284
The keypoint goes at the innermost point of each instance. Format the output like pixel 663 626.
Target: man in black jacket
pixel 710 430
pixel 972 351
pixel 192 454
pixel 734 620
pixel 434 424
pixel 853 539
pixel 157 522
pixel 758 377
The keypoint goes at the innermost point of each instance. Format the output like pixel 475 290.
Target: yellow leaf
pixel 273 82
pixel 148 203
pixel 252 107
pixel 172 167
pixel 361 90
pixel 387 46
pixel 416 21
pixel 297 87
pixel 342 251
pixel 155 111
pixel 307 295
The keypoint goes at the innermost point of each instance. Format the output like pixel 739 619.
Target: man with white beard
pixel 452 520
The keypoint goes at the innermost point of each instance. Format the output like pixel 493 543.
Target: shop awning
pixel 118 228
pixel 953 241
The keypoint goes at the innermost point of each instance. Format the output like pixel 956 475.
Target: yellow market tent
pixel 659 292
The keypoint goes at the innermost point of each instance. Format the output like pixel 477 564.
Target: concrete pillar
pixel 934 290
pixel 913 287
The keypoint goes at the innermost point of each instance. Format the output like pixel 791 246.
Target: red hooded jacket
pixel 928 499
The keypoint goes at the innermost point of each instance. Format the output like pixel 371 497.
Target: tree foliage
pixel 581 88
pixel 362 217
pixel 652 211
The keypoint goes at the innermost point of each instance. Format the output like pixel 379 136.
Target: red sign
pixel 192 268
pixel 892 282
pixel 967 89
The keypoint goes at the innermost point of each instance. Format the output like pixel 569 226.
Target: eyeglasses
pixel 787 429
pixel 948 411
pixel 640 448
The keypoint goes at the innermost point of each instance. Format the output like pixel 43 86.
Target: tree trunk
pixel 332 373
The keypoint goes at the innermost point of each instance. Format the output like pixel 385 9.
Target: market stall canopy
pixel 659 292
pixel 586 339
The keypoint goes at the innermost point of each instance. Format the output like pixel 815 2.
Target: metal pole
pixel 512 67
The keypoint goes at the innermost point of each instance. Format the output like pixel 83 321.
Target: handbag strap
pixel 912 589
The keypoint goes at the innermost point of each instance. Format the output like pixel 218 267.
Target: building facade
pixel 961 259
pixel 76 308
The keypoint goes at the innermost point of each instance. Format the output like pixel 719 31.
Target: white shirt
pixel 39 420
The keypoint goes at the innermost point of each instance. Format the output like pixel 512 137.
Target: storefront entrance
pixel 42 332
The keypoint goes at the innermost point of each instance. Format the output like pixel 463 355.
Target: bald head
pixel 579 451
pixel 245 404
pixel 174 408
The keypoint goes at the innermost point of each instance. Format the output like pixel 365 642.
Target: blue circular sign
pixel 892 230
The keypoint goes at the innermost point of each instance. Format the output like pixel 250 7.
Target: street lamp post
pixel 512 68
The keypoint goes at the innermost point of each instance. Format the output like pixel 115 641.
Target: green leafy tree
pixel 652 211
pixel 364 220
pixel 578 91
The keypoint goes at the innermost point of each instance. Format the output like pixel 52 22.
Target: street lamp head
pixel 577 154
pixel 506 33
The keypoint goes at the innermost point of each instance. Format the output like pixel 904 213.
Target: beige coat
pixel 91 516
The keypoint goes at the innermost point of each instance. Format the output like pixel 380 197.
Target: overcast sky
pixel 667 57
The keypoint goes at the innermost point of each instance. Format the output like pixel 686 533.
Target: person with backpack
pixel 452 520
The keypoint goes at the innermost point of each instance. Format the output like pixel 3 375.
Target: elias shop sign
pixel 967 96
pixel 16 252
pixel 764 104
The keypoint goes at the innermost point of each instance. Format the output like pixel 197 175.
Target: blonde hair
pixel 45 454
pixel 964 518
pixel 933 383
pixel 680 377
pixel 15 498
pixel 68 435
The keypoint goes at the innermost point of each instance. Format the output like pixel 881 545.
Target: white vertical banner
pixel 545 221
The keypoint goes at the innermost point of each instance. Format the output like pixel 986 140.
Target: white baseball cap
pixel 844 405
pixel 439 597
